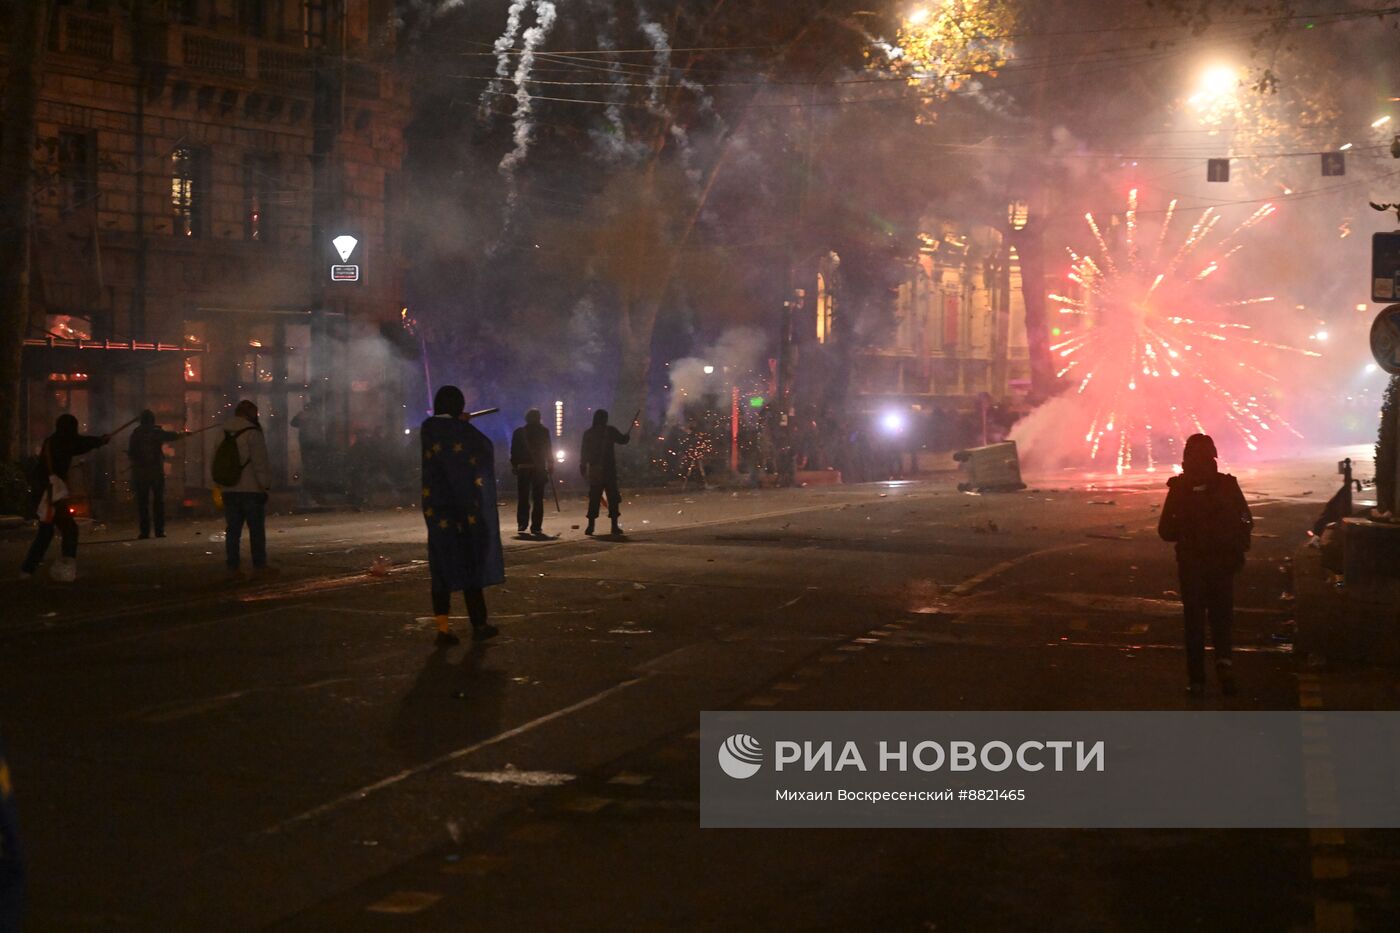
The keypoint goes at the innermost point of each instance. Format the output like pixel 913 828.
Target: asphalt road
pixel 294 753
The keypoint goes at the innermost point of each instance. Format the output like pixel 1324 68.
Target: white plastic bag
pixel 57 491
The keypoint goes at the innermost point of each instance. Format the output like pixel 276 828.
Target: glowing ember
pixel 1152 358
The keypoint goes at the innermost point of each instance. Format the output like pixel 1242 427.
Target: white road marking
pixel 407 773
pixel 973 582
pixel 523 778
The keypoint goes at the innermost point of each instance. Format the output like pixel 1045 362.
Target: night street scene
pixel 925 465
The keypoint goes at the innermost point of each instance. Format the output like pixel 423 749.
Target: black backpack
pixel 226 468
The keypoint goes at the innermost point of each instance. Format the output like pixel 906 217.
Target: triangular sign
pixel 345 245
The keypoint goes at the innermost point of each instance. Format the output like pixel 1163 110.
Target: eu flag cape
pixel 459 505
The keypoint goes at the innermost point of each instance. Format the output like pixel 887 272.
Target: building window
pixel 313 23
pixel 826 310
pixel 259 190
pixel 252 17
pixel 77 169
pixel 189 190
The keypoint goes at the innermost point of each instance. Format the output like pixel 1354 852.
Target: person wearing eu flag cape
pixel 459 507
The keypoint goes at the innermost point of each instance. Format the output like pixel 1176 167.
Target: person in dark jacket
pixel 532 462
pixel 598 465
pixel 146 451
pixel 459 507
pixel 59 450
pixel 1207 517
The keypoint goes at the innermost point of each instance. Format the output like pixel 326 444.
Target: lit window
pixel 187 190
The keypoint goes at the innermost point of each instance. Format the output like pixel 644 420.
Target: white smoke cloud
pixel 533 38
pixel 741 349
pixel 503 46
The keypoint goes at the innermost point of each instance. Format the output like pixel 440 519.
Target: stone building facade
pixel 196 159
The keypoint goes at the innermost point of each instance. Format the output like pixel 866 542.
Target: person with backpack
pixel 459 508
pixel 146 451
pixel 49 496
pixel 1208 519
pixel 240 469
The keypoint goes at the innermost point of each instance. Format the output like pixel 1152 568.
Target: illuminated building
pixel 178 257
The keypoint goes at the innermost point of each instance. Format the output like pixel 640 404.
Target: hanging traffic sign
pixel 1385 266
pixel 1334 163
pixel 1385 339
pixel 1218 170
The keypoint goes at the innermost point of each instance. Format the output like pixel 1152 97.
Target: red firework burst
pixel 1159 353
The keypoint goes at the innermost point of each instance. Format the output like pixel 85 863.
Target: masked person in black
pixel 146 451
pixel 532 462
pixel 1207 517
pixel 60 449
pixel 598 464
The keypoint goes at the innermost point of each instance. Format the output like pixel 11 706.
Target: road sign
pixel 1385 339
pixel 345 273
pixel 1218 170
pixel 1334 163
pixel 1385 266
pixel 345 245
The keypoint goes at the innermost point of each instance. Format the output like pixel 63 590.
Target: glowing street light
pixel 918 16
pixel 893 422
pixel 709 370
pixel 1217 83
pixel 1218 80
pixel 1381 122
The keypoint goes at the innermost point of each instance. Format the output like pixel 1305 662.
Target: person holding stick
pixel 459 508
pixel 598 465
pixel 49 495
pixel 146 451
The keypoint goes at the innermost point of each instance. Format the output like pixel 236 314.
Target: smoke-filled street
pixel 729 465
pixel 297 753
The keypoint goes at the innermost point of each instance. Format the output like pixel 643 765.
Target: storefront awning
pixel 59 354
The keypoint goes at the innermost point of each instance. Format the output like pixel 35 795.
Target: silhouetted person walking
pixel 1206 515
pixel 459 507
pixel 532 462
pixel 51 477
pixel 146 451
pixel 598 464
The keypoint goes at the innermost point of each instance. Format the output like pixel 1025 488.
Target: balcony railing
pixel 215 54
pixel 89 36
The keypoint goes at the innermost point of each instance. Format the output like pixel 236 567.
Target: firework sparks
pixel 1159 353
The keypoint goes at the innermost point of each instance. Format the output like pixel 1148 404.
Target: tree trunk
pixel 21 98
pixel 1030 247
pixel 634 367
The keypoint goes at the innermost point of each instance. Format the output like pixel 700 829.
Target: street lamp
pixel 1217 83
